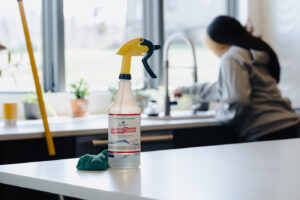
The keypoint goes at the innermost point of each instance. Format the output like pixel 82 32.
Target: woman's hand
pixel 250 28
pixel 177 92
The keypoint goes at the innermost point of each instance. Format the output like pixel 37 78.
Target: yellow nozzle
pixel 131 48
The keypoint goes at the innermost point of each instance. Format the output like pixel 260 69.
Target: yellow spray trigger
pixel 136 47
pixel 133 48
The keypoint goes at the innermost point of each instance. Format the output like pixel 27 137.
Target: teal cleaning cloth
pixel 93 162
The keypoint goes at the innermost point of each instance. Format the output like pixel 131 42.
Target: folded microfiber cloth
pixel 93 162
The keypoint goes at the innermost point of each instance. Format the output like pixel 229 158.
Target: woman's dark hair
pixel 227 30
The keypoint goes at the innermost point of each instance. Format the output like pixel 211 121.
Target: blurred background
pixel 75 39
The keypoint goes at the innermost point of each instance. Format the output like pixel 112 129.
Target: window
pixel 94 31
pixel 18 76
pixel 191 17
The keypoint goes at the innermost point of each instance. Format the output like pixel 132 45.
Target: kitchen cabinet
pixel 151 140
pixel 28 150
pixel 204 136
pixel 18 151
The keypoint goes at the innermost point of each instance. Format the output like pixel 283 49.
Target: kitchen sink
pixel 183 115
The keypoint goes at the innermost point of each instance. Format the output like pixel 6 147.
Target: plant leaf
pixel 80 89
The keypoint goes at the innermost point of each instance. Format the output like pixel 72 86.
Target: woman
pixel 247 84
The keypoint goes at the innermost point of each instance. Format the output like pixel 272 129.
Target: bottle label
pixel 124 133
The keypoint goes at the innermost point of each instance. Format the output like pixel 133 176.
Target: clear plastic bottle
pixel 124 129
pixel 124 126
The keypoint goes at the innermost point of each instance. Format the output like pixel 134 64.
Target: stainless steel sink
pixel 183 115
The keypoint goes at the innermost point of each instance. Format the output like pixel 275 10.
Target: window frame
pixel 53 40
pixel 154 31
pixel 53 45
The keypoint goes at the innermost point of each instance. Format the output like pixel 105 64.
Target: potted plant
pixel 31 106
pixel 79 105
pixel 32 109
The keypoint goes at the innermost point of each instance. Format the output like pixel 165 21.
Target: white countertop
pixel 260 171
pixel 94 124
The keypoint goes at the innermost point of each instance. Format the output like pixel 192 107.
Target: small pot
pixel 79 107
pixel 32 110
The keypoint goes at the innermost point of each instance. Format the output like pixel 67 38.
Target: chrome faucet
pixel 168 42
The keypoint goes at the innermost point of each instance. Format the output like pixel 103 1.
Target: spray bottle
pixel 124 132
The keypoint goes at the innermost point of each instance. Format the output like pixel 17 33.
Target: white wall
pixel 243 11
pixel 279 23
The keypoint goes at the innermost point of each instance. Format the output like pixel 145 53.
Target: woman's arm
pixel 233 85
pixel 203 91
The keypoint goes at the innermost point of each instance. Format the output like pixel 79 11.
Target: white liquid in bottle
pixel 124 132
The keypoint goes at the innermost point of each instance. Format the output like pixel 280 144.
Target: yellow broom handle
pixel 49 139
